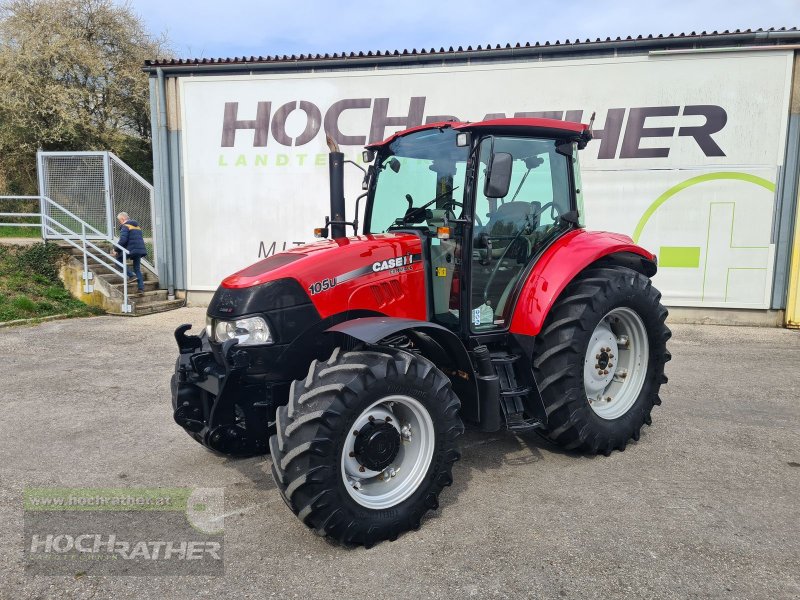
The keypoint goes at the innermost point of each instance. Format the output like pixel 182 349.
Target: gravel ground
pixel 705 505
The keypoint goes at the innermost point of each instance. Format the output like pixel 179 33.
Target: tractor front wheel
pixel 599 361
pixel 366 444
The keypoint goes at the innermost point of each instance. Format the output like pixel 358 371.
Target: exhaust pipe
pixel 336 179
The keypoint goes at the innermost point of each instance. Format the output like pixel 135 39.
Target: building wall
pixel 689 158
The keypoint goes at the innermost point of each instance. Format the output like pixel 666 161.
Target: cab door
pixel 445 243
pixel 509 232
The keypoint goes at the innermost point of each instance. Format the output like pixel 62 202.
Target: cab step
pixel 517 391
pixel 519 424
pixel 513 395
pixel 503 358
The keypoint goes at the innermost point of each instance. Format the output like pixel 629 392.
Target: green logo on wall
pixel 719 238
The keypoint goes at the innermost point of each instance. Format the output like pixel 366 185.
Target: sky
pixel 205 29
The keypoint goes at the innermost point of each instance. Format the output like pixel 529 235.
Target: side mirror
pixel 394 165
pixel 368 156
pixel 499 177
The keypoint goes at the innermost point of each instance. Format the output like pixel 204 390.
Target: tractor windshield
pixel 424 171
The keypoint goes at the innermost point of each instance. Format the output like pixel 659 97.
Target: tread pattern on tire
pixel 560 349
pixel 321 407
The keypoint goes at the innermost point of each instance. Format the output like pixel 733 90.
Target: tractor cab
pixel 487 200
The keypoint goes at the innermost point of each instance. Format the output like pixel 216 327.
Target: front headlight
pixel 249 331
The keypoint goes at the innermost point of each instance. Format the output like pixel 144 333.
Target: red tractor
pixel 474 295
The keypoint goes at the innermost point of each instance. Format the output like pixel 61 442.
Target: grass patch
pixel 30 287
pixel 56 293
pixel 24 304
pixel 7 231
pixel 20 206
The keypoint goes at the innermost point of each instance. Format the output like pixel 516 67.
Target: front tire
pixel 366 444
pixel 599 361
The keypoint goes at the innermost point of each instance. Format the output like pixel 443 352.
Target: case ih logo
pixel 392 263
pixel 618 137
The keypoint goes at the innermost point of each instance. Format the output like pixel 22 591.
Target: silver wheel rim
pixel 616 362
pixel 383 489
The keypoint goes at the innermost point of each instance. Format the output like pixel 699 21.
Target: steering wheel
pixel 419 211
pixel 453 203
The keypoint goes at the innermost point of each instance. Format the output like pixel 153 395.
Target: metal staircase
pixel 109 282
pixel 93 256
pixel 80 194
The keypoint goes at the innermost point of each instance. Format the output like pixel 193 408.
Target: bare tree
pixel 71 79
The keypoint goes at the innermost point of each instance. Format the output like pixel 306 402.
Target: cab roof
pixel 519 126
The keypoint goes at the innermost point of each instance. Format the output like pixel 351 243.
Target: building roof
pixel 611 46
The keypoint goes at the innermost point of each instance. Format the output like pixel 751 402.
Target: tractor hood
pixel 368 272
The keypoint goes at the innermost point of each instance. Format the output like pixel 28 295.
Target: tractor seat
pixel 510 216
pixel 507 217
pixel 507 221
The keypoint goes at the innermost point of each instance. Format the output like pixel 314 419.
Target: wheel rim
pixel 398 416
pixel 616 363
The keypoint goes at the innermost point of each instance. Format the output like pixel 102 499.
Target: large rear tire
pixel 599 361
pixel 366 444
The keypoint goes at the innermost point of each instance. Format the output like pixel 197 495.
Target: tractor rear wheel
pixel 599 361
pixel 366 444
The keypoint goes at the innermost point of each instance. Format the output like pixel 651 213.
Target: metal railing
pixel 96 186
pixel 77 233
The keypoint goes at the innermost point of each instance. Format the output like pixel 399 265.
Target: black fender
pixel 436 343
pixel 311 344
pixel 628 260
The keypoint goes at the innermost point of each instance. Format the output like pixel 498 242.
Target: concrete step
pixel 151 296
pixel 149 286
pixel 106 246
pixel 148 308
pixel 99 270
pixel 78 252
pixel 116 279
